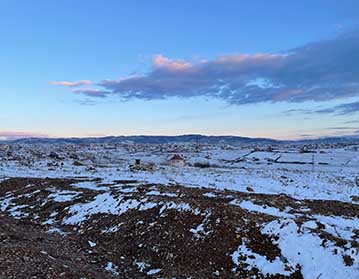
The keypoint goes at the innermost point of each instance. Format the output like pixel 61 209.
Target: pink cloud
pixel 306 73
pixel 287 94
pixel 71 83
pixel 18 135
pixel 160 61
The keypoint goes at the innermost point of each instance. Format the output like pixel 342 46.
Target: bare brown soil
pixel 26 251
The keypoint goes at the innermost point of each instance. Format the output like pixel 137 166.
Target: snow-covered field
pixel 304 203
pixel 324 174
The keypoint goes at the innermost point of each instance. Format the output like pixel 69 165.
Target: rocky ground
pixel 27 251
pixel 81 228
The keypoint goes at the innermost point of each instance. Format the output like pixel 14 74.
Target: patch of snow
pixel 17 213
pixel 112 229
pixel 260 262
pixel 56 231
pixel 92 244
pixel 209 195
pixel 153 271
pixel 104 203
pixel 63 195
pixel 112 268
pixel 305 249
pixel 141 265
pixel 90 185
pixel 310 225
pixel 157 193
pixel 182 206
pixel 5 203
pixel 250 206
pixel 339 226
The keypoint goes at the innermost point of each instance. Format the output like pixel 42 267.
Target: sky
pixel 277 69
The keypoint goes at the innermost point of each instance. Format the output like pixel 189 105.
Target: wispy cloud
pixel 320 71
pixel 352 122
pixel 342 128
pixel 86 102
pixel 71 83
pixel 342 109
pixel 92 92
pixel 8 135
pixel 291 112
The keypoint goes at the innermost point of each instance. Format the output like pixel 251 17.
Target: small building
pixel 176 161
pixel 304 149
pixel 139 166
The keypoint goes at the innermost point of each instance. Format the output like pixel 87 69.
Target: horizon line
pixel 10 139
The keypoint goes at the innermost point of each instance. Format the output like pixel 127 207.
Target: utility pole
pixel 313 163
pixel 197 143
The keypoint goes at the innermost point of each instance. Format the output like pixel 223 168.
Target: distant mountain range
pixel 232 140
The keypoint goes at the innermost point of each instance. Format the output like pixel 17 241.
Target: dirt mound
pixel 128 230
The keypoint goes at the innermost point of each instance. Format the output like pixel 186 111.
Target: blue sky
pixel 280 69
